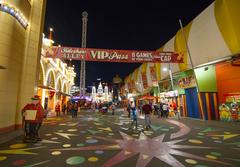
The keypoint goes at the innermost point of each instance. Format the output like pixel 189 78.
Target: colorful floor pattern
pixel 96 140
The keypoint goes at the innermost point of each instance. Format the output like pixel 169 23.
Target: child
pixel 134 116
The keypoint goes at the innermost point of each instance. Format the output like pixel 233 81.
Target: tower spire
pixel 84 45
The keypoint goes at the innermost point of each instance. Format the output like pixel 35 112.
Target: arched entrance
pixel 50 94
pixel 64 97
pixel 59 91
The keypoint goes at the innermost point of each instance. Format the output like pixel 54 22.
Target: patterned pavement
pixel 96 140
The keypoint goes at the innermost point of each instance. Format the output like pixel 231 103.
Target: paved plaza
pixel 95 140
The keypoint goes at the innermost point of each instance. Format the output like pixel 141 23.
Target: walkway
pixel 95 140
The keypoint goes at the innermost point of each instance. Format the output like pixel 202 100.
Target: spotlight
pixel 5 7
pixel 165 69
pixel 12 11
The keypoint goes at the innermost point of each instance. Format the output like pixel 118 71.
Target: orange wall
pixel 228 80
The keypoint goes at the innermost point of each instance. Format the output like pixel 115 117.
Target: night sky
pixel 127 25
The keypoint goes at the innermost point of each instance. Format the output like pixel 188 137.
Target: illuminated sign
pixel 15 13
pixel 107 55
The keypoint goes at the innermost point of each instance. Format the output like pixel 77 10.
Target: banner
pixel 106 55
pixel 187 82
pixel 153 75
pixel 144 80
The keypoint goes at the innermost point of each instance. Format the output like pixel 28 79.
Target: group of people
pixel 70 108
pixel 161 109
pixel 33 124
pixel 132 113
pixel 104 107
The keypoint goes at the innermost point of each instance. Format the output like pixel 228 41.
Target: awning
pixel 53 90
pixel 64 94
pixel 46 87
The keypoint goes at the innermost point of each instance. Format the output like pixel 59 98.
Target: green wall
pixel 206 79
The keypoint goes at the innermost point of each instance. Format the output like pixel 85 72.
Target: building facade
pixel 21 27
pixel 55 79
pixel 213 40
pixel 101 95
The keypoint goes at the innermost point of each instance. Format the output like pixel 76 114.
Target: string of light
pixel 15 13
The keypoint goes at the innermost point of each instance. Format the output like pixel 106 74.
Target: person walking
pixel 69 104
pixel 71 108
pixel 156 109
pixel 32 125
pixel 57 109
pixel 64 108
pixel 134 116
pixel 74 110
pixel 147 110
pixel 113 108
pixel 129 110
pixel 133 111
pixel 165 109
pixel 161 108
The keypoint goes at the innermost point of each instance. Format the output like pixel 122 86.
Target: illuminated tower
pixel 84 45
pixel 94 93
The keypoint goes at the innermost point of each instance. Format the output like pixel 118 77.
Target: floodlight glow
pixel 165 69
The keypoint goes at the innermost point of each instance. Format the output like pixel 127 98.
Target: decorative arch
pixel 64 88
pixel 58 85
pixel 50 78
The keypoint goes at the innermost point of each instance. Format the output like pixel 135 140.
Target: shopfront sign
pixel 230 98
pixel 106 55
pixel 187 82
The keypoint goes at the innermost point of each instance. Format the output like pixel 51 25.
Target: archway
pixel 41 82
pixel 64 94
pixel 59 91
pixel 50 94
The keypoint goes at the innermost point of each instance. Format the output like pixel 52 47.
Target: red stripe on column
pixel 201 106
pixel 216 106
pixel 208 106
pixel 185 106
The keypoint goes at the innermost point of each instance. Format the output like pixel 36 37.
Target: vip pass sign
pixel 107 55
pixel 17 14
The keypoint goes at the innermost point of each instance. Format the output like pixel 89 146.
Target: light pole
pixel 192 67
